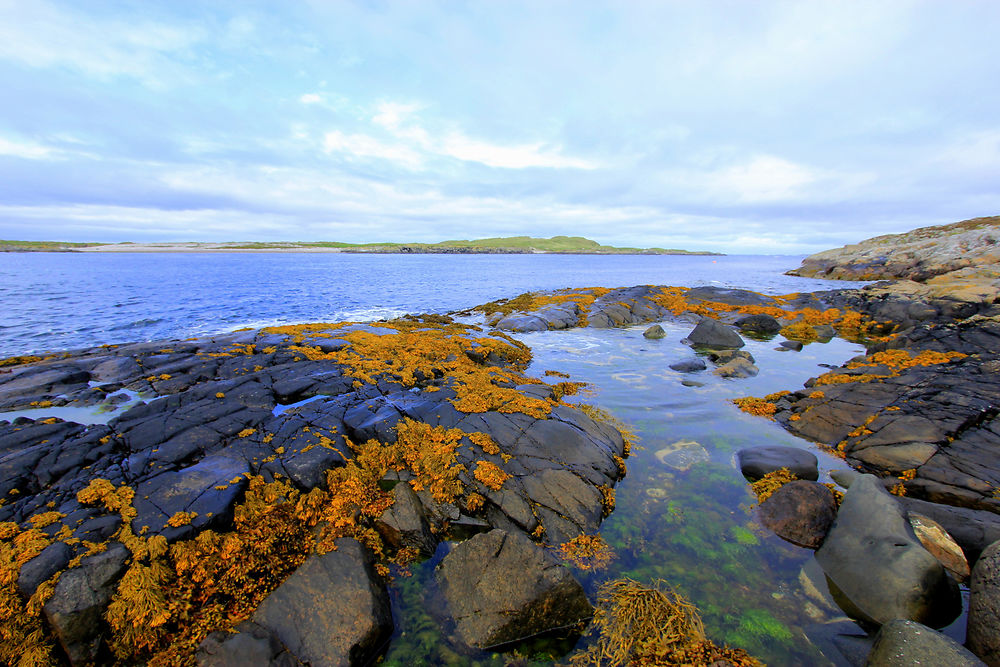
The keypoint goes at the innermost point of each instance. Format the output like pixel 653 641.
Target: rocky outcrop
pixel 290 406
pixel 877 566
pixel 916 255
pixel 501 587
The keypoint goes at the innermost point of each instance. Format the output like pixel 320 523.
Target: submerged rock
pixel 689 365
pixel 682 455
pixel 901 643
pixel 872 557
pixel 501 587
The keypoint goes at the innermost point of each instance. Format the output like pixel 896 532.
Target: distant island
pixel 570 245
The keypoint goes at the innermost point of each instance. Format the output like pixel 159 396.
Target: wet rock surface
pixel 755 462
pixel 879 567
pixel 984 606
pixel 800 512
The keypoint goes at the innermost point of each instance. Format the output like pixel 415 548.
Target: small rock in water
pixel 737 368
pixel 713 334
pixel 793 345
pixel 689 365
pixel 755 462
pixel 654 332
pixel 692 383
pixel 759 324
pixel 681 455
pixel 800 512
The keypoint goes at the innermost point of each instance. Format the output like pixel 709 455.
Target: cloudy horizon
pixel 778 127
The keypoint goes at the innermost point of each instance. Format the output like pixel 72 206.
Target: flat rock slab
pixel 875 561
pixel 332 610
pixel 501 587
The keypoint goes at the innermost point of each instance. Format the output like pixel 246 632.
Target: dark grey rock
pixel 759 324
pixel 713 334
pixel 501 587
pixel 755 462
pixel 901 643
pixel 689 365
pixel 800 512
pixel 878 566
pixel 331 611
pixel 75 612
pixel 53 558
pixel 984 606
pixel 793 345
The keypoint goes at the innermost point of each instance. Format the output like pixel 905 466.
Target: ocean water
pixel 693 526
pixel 57 301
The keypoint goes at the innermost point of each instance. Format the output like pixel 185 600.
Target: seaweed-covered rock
pixel 404 523
pixel 760 324
pixel 332 610
pixel 800 512
pixel 872 557
pixel 501 587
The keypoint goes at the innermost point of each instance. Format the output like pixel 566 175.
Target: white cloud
pixel 365 146
pixel 310 98
pixel 460 146
pixel 42 35
pixel 26 149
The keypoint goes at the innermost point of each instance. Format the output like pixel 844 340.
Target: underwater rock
pixel 713 334
pixel 737 368
pixel 331 611
pixel 877 564
pixel 901 643
pixel 755 462
pixel 501 587
pixel 984 606
pixel 681 455
pixel 689 365
pixel 759 324
pixel 76 609
pixel 940 544
pixel 800 512
pixel 654 332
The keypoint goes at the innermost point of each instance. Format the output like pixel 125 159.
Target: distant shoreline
pixel 557 246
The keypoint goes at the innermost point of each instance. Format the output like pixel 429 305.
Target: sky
pixel 737 127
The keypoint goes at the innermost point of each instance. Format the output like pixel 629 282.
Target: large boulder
pixel 713 334
pixel 901 643
pixel 755 462
pixel 984 606
pixel 332 610
pixel 800 512
pixel 501 587
pixel 877 567
pixel 75 611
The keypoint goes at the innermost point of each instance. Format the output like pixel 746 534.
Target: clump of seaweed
pixel 586 552
pixel 764 487
pixel 651 625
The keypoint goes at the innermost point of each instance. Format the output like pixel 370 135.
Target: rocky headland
pixel 251 508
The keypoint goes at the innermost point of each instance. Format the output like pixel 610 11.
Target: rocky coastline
pixel 251 507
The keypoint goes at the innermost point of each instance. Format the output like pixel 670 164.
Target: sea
pixel 59 301
pixel 684 518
